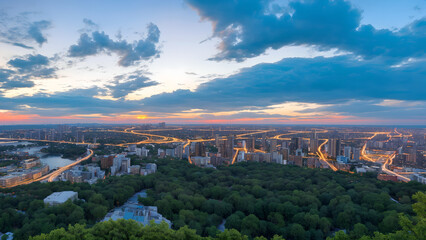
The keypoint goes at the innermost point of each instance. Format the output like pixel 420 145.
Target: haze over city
pixel 252 62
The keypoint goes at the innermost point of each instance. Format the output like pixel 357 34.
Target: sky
pixel 356 62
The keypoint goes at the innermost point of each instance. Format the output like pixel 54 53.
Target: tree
pixel 250 225
pixel 359 231
pixel 234 221
pixel 98 211
pixel 297 232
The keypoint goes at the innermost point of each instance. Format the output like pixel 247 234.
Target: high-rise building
pixel 230 146
pixel 199 149
pixel 357 153
pixel 250 144
pixel 300 142
pixel 347 151
pixel 334 147
pixel 294 144
pixel 273 146
pixel 217 139
pixel 313 142
pixel 285 152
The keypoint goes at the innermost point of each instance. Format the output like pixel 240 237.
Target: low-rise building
pixel 385 177
pixel 83 173
pixel 57 198
pixel 421 178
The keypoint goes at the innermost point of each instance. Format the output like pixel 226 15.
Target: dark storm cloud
pixel 247 28
pixel 130 53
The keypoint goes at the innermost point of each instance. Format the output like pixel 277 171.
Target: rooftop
pixel 60 196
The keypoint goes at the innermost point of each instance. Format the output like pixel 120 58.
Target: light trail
pixel 189 152
pixel 279 136
pixel 56 173
pixel 389 161
pixel 51 176
pixel 322 157
pixel 47 141
pixel 235 155
pixel 253 133
pixel 389 158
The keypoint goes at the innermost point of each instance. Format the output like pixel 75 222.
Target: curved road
pixel 51 176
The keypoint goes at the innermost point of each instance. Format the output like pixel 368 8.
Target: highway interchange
pixel 159 139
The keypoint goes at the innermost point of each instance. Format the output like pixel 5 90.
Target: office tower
pixel 251 143
pixel 347 152
pixel 216 139
pixel 230 146
pixel 264 141
pixel 285 152
pixel 313 142
pixel 273 147
pixel 334 147
pixel 300 142
pixel 199 149
pixel 357 153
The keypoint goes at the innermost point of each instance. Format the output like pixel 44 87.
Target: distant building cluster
pixel 133 150
pixel 29 169
pixel 176 152
pixel 83 173
pixel 120 164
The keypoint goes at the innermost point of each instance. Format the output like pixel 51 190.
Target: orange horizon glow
pixel 13 118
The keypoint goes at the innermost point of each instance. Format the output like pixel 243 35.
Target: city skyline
pixel 200 62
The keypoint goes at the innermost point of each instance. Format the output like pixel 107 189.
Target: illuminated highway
pixel 189 154
pixel 385 169
pixel 51 176
pixel 47 141
pixel 56 173
pixel 323 158
pixel 389 158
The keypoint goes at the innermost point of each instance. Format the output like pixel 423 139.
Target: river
pixel 53 160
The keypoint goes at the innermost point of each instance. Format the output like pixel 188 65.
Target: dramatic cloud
pixel 35 31
pixel 10 79
pixel 318 80
pixel 130 53
pixel 340 85
pixel 15 30
pixel 5 74
pixel 34 66
pixel 125 84
pixel 403 110
pixel 248 28
pixel 76 101
pixel 29 63
pixel 25 69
